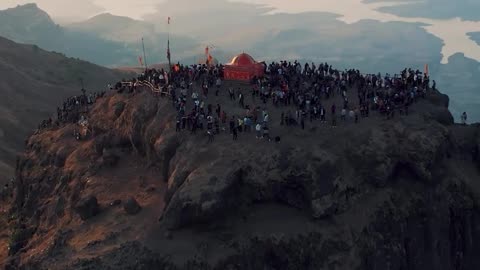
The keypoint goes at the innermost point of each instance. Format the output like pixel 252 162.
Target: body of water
pixel 453 32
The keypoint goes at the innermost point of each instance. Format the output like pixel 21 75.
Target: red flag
pixel 206 51
pixel 210 59
pixel 426 69
pixel 140 60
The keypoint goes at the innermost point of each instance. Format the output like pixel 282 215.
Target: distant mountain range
pixel 34 82
pixel 434 9
pixel 105 39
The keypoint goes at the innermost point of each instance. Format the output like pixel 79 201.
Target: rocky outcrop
pixel 429 232
pixel 131 206
pixel 87 207
pixel 119 107
pixel 396 194
pixel 131 255
pixel 204 197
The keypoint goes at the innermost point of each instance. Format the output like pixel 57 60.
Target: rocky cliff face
pixel 383 194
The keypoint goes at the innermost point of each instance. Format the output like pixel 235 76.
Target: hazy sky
pixel 453 31
pixel 75 9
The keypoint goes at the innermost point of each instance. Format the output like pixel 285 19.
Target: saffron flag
pixel 426 69
pixel 210 59
pixel 140 60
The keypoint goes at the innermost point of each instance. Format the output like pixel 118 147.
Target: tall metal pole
pixel 144 55
pixel 168 47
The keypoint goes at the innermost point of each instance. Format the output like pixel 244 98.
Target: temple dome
pixel 243 60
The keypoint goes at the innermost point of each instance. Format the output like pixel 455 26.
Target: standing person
pixel 266 133
pixel 241 100
pixel 357 112
pixel 258 129
pixel 223 117
pixel 247 124
pixel 464 118
pixel 219 84
pixel 194 125
pixel 232 124
pixel 322 115
pixel 210 136
pixel 240 124
pixel 217 126
pixel 235 134
pixel 178 126
pixel 351 115
pixel 334 116
pixel 218 110
pixel 344 114
pixel 266 118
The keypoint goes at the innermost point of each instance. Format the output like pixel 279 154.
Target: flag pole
pixel 168 47
pixel 144 55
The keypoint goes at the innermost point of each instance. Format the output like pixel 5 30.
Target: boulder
pixel 204 200
pixel 116 202
pixel 110 158
pixel 150 189
pixel 324 207
pixel 118 108
pixel 87 207
pixel 131 206
pixel 60 159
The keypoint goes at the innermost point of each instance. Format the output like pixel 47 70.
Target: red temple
pixel 243 68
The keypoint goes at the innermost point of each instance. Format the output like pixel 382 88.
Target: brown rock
pixel 131 206
pixel 87 207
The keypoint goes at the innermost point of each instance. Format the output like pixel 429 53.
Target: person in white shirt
pixel 351 114
pixel 258 129
pixel 464 118
pixel 344 114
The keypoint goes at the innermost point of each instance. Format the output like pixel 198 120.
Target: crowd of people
pixel 73 110
pixel 300 92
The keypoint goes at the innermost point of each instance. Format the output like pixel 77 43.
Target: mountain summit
pixel 27 24
pixel 144 188
pixel 118 28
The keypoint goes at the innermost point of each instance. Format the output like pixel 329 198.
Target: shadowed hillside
pixel 33 83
